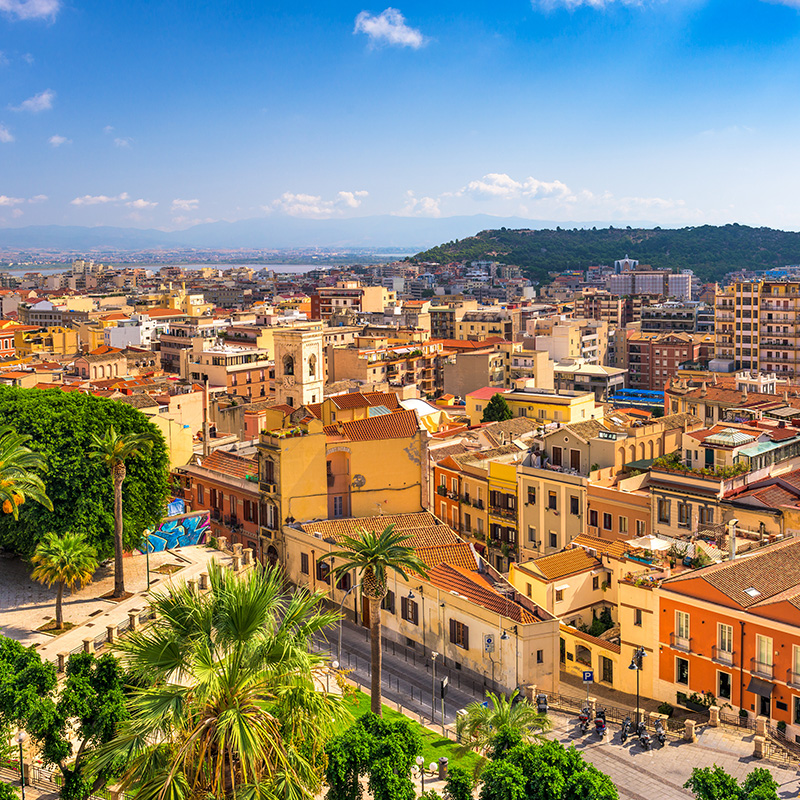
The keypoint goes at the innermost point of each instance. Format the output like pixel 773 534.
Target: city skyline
pixel 671 111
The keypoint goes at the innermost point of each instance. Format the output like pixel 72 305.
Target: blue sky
pixel 165 114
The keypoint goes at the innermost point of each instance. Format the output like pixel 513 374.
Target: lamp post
pixel 341 617
pixel 504 638
pixel 421 770
pixel 147 533
pixel 334 665
pixel 636 663
pixel 21 737
pixel 434 656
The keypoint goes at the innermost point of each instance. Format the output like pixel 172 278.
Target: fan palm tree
pixel 18 482
pixel 114 449
pixel 67 561
pixel 373 556
pixel 234 704
pixel 516 719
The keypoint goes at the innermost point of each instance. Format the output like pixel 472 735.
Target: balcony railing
pixel 680 642
pixel 721 656
pixel 792 678
pixel 269 488
pixel 506 513
pixel 760 668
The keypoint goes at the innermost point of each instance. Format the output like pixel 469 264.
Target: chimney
pixel 703 389
pixel 744 395
pixel 715 379
pixel 732 538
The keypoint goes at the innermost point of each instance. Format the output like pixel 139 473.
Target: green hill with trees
pixel 710 250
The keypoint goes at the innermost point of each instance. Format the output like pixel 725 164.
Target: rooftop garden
pixel 673 463
pixel 285 433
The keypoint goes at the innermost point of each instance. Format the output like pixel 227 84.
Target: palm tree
pixel 114 449
pixel 234 704
pixel 373 555
pixel 67 561
pixel 512 718
pixel 18 482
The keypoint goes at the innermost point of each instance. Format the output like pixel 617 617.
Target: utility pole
pixel 205 417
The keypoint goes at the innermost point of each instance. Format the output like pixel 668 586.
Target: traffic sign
pixel 445 682
pixel 488 643
pixel 588 676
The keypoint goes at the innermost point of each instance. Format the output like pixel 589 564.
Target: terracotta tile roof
pixel 400 425
pixel 486 393
pixel 477 591
pixel 769 571
pixel 616 549
pixel 229 464
pixel 459 554
pixel 138 400
pixel 315 409
pixel 510 428
pixel 559 565
pixel 615 648
pixel 427 530
pixel 104 350
pixel 359 400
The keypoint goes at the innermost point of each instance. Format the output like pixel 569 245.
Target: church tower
pixel 299 366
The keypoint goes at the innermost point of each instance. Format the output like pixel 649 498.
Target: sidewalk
pixel 26 604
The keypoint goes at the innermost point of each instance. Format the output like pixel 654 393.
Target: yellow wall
pixel 178 439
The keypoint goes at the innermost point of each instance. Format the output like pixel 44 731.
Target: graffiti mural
pixel 183 530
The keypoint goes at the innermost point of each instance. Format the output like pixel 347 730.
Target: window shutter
pixel 452 630
pixel 416 614
pixel 404 607
pixel 465 637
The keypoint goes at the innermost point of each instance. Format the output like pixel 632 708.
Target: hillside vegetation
pixel 709 250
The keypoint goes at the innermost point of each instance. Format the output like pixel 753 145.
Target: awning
pixel 759 687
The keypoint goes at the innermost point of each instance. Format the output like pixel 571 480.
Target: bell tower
pixel 299 366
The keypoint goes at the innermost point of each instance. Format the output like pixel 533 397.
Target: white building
pixel 138 331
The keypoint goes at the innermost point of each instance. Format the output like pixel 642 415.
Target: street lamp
pixel 21 737
pixel 434 656
pixel 432 767
pixel 341 617
pixel 334 665
pixel 636 663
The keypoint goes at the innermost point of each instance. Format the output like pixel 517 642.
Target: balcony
pixel 761 669
pixel 506 513
pixel 268 488
pixel 683 643
pixel 722 656
pixel 793 678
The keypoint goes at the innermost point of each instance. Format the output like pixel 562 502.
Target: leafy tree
pixel 497 410
pixel 87 712
pixel 61 426
pixel 460 784
pixel 714 783
pixel 247 718
pixel 24 681
pixel 374 555
pixel 18 479
pixel 8 792
pixel 383 751
pixel 554 772
pixel 514 721
pixel 502 781
pixel 68 561
pixel 113 449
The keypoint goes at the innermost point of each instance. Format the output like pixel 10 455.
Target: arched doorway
pixel 272 555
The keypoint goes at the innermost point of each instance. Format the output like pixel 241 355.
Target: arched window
pixel 288 365
pixel 312 366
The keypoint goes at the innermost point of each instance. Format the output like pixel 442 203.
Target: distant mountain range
pixel 710 250
pixel 277 231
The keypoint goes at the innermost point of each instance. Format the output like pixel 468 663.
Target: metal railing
pixel 761 668
pixel 721 656
pixel 683 643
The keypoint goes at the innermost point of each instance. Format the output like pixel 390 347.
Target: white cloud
pixel 94 200
pixel 185 205
pixel 17 212
pixel 5 200
pixel 4 62
pixel 38 198
pixel 420 206
pixel 30 9
pixel 57 141
pixel 28 58
pixel 571 5
pixel 108 129
pixel 122 141
pixel 500 185
pixel 313 206
pixel 5 134
pixel 388 27
pixel 39 102
pixel 141 204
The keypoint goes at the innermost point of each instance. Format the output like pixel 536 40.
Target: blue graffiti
pixel 183 531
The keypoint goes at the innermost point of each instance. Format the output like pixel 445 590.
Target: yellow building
pixel 541 405
pixel 55 341
pixel 502 512
pixel 310 470
pixel 552 508
pixel 464 610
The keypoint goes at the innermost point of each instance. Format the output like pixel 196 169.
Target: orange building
pixel 447 486
pixel 733 630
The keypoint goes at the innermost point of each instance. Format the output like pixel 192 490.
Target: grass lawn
pixel 434 746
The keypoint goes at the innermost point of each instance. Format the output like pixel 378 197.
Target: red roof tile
pixel 230 464
pixel 400 425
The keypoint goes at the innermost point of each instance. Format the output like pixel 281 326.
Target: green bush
pixel 666 709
